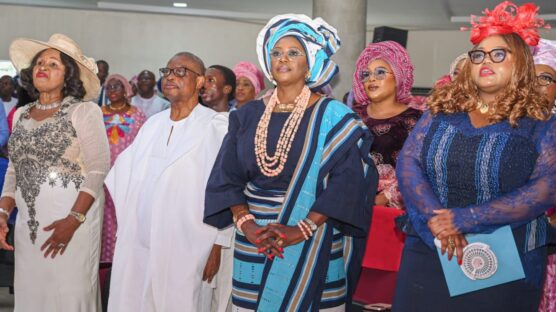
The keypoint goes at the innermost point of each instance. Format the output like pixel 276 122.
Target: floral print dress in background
pixel 121 129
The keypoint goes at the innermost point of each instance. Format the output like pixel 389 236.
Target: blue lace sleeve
pixel 418 195
pixel 524 203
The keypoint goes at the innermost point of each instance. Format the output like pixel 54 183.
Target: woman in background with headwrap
pixel 296 178
pixel 455 68
pixel 382 84
pixel 545 68
pixel 122 122
pixel 249 83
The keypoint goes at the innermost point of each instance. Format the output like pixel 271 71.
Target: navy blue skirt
pixel 421 287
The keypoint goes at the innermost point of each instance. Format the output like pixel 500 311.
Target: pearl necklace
pixel 47 106
pixel 272 166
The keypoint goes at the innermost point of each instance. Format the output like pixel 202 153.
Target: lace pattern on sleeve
pixel 419 197
pixel 93 143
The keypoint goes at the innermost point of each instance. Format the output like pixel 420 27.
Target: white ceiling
pixel 408 14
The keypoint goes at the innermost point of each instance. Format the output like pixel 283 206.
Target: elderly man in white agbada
pixel 163 248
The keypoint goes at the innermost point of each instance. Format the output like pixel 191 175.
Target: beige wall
pixel 134 41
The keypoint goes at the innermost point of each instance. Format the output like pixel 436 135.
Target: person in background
pixel 59 157
pixel 103 72
pixel 23 98
pixel 382 84
pixel 7 88
pixel 147 99
pixel 4 130
pixel 122 122
pixel 133 83
pixel 481 158
pixel 219 88
pixel 545 68
pixel 455 69
pixel 249 83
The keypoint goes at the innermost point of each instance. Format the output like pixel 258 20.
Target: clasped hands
pixel 443 228
pixel 272 238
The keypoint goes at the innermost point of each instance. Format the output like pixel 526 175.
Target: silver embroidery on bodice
pixel 37 157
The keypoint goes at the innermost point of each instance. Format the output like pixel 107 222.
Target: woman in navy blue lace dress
pixel 483 157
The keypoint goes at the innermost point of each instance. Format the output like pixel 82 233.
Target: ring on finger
pixel 451 243
pixel 61 245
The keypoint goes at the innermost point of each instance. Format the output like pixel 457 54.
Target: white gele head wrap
pixel 320 41
pixel 545 53
pixel 454 65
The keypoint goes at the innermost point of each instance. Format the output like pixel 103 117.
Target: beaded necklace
pixel 272 166
pixel 47 106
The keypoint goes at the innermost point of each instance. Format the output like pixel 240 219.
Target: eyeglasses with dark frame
pixel 497 55
pixel 178 71
pixel 379 73
pixel 545 80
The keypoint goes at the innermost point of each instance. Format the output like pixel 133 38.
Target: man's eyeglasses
pixel 178 71
pixel 291 54
pixel 379 73
pixel 495 55
pixel 545 80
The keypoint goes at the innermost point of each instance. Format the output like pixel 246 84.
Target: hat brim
pixel 23 50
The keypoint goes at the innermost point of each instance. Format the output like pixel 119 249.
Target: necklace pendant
pixel 482 107
pixel 284 108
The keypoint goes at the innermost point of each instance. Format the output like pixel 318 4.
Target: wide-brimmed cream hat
pixel 23 50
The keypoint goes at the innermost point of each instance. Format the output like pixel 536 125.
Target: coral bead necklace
pixel 272 166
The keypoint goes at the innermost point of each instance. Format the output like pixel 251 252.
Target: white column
pixel 349 17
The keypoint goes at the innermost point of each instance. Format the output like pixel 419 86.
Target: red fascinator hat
pixel 507 18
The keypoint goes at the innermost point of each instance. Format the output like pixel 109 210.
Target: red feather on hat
pixel 507 18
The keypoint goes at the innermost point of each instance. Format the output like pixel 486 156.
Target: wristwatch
pixel 311 224
pixel 78 216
